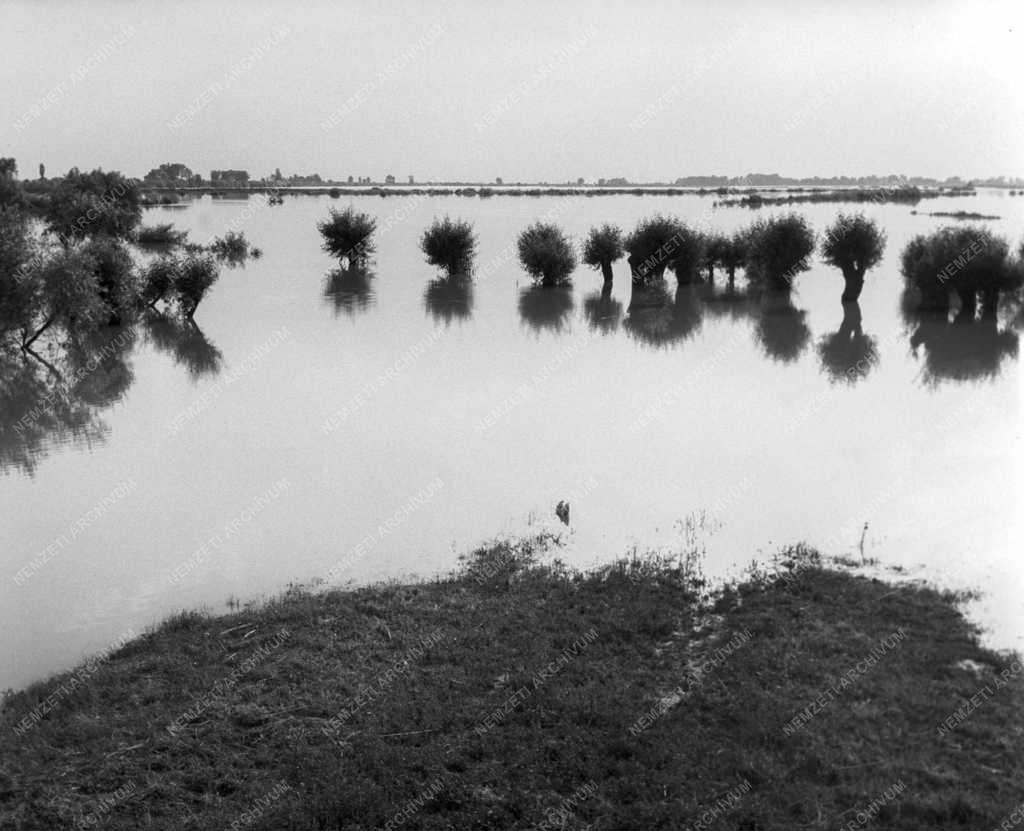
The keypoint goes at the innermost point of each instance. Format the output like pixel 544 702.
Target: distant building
pixel 412 180
pixel 229 177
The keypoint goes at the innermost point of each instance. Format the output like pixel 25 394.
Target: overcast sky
pixel 523 90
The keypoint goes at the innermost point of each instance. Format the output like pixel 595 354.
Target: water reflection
pixel 55 400
pixel 185 342
pixel 449 298
pixel 848 354
pixel 350 290
pixel 602 311
pixel 656 318
pixel 545 308
pixel 967 348
pixel 730 303
pixel 780 328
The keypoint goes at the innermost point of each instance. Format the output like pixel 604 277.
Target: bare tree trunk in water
pixel 854 279
pixel 606 270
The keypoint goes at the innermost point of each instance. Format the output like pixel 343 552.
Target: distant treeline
pixel 910 195
pixel 749 197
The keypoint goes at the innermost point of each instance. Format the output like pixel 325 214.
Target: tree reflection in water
pixel 657 318
pixel 545 308
pixel 970 347
pixel 848 355
pixel 449 298
pixel 57 397
pixel 350 290
pixel 602 311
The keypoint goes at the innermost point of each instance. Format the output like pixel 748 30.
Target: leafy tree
pixel 546 254
pixel 733 254
pixel 62 289
pixel 450 245
pixel 348 234
pixel 716 250
pixel 854 244
pixel 17 250
pixel 687 254
pixel 42 170
pixel 778 248
pixel 196 274
pixel 966 259
pixel 115 276
pixel 650 247
pixel 158 280
pixel 232 248
pixel 93 204
pixel 602 248
pixel 162 235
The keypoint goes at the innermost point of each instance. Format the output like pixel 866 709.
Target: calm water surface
pixel 328 427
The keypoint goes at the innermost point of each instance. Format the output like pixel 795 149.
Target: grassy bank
pixel 520 695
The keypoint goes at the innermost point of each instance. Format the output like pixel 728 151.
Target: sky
pixel 525 90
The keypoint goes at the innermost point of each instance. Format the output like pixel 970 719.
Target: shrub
pixel 158 279
pixel 546 254
pixel 160 235
pixel 649 247
pixel 967 259
pixel 686 254
pixel 195 275
pixel 602 248
pixel 16 252
pixel 96 203
pixel 716 248
pixel 232 248
pixel 62 289
pixel 778 248
pixel 115 276
pixel 733 254
pixel 348 234
pixel 450 245
pixel 854 244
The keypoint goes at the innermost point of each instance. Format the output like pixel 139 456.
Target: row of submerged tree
pixel 969 263
pixel 68 264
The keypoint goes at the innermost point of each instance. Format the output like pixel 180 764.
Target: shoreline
pixel 518 692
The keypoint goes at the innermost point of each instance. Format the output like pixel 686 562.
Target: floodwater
pixel 349 429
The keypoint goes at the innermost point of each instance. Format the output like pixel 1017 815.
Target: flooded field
pixel 318 426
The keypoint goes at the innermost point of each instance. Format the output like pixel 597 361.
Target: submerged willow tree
pixel 546 254
pixel 602 248
pixel 348 235
pixel 854 244
pixel 650 246
pixel 969 261
pixel 451 246
pixel 779 248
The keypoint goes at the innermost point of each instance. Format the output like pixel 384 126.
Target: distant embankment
pixel 747 197
pixel 909 195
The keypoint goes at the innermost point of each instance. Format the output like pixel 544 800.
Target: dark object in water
pixel 562 511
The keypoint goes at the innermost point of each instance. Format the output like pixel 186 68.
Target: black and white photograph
pixel 550 416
